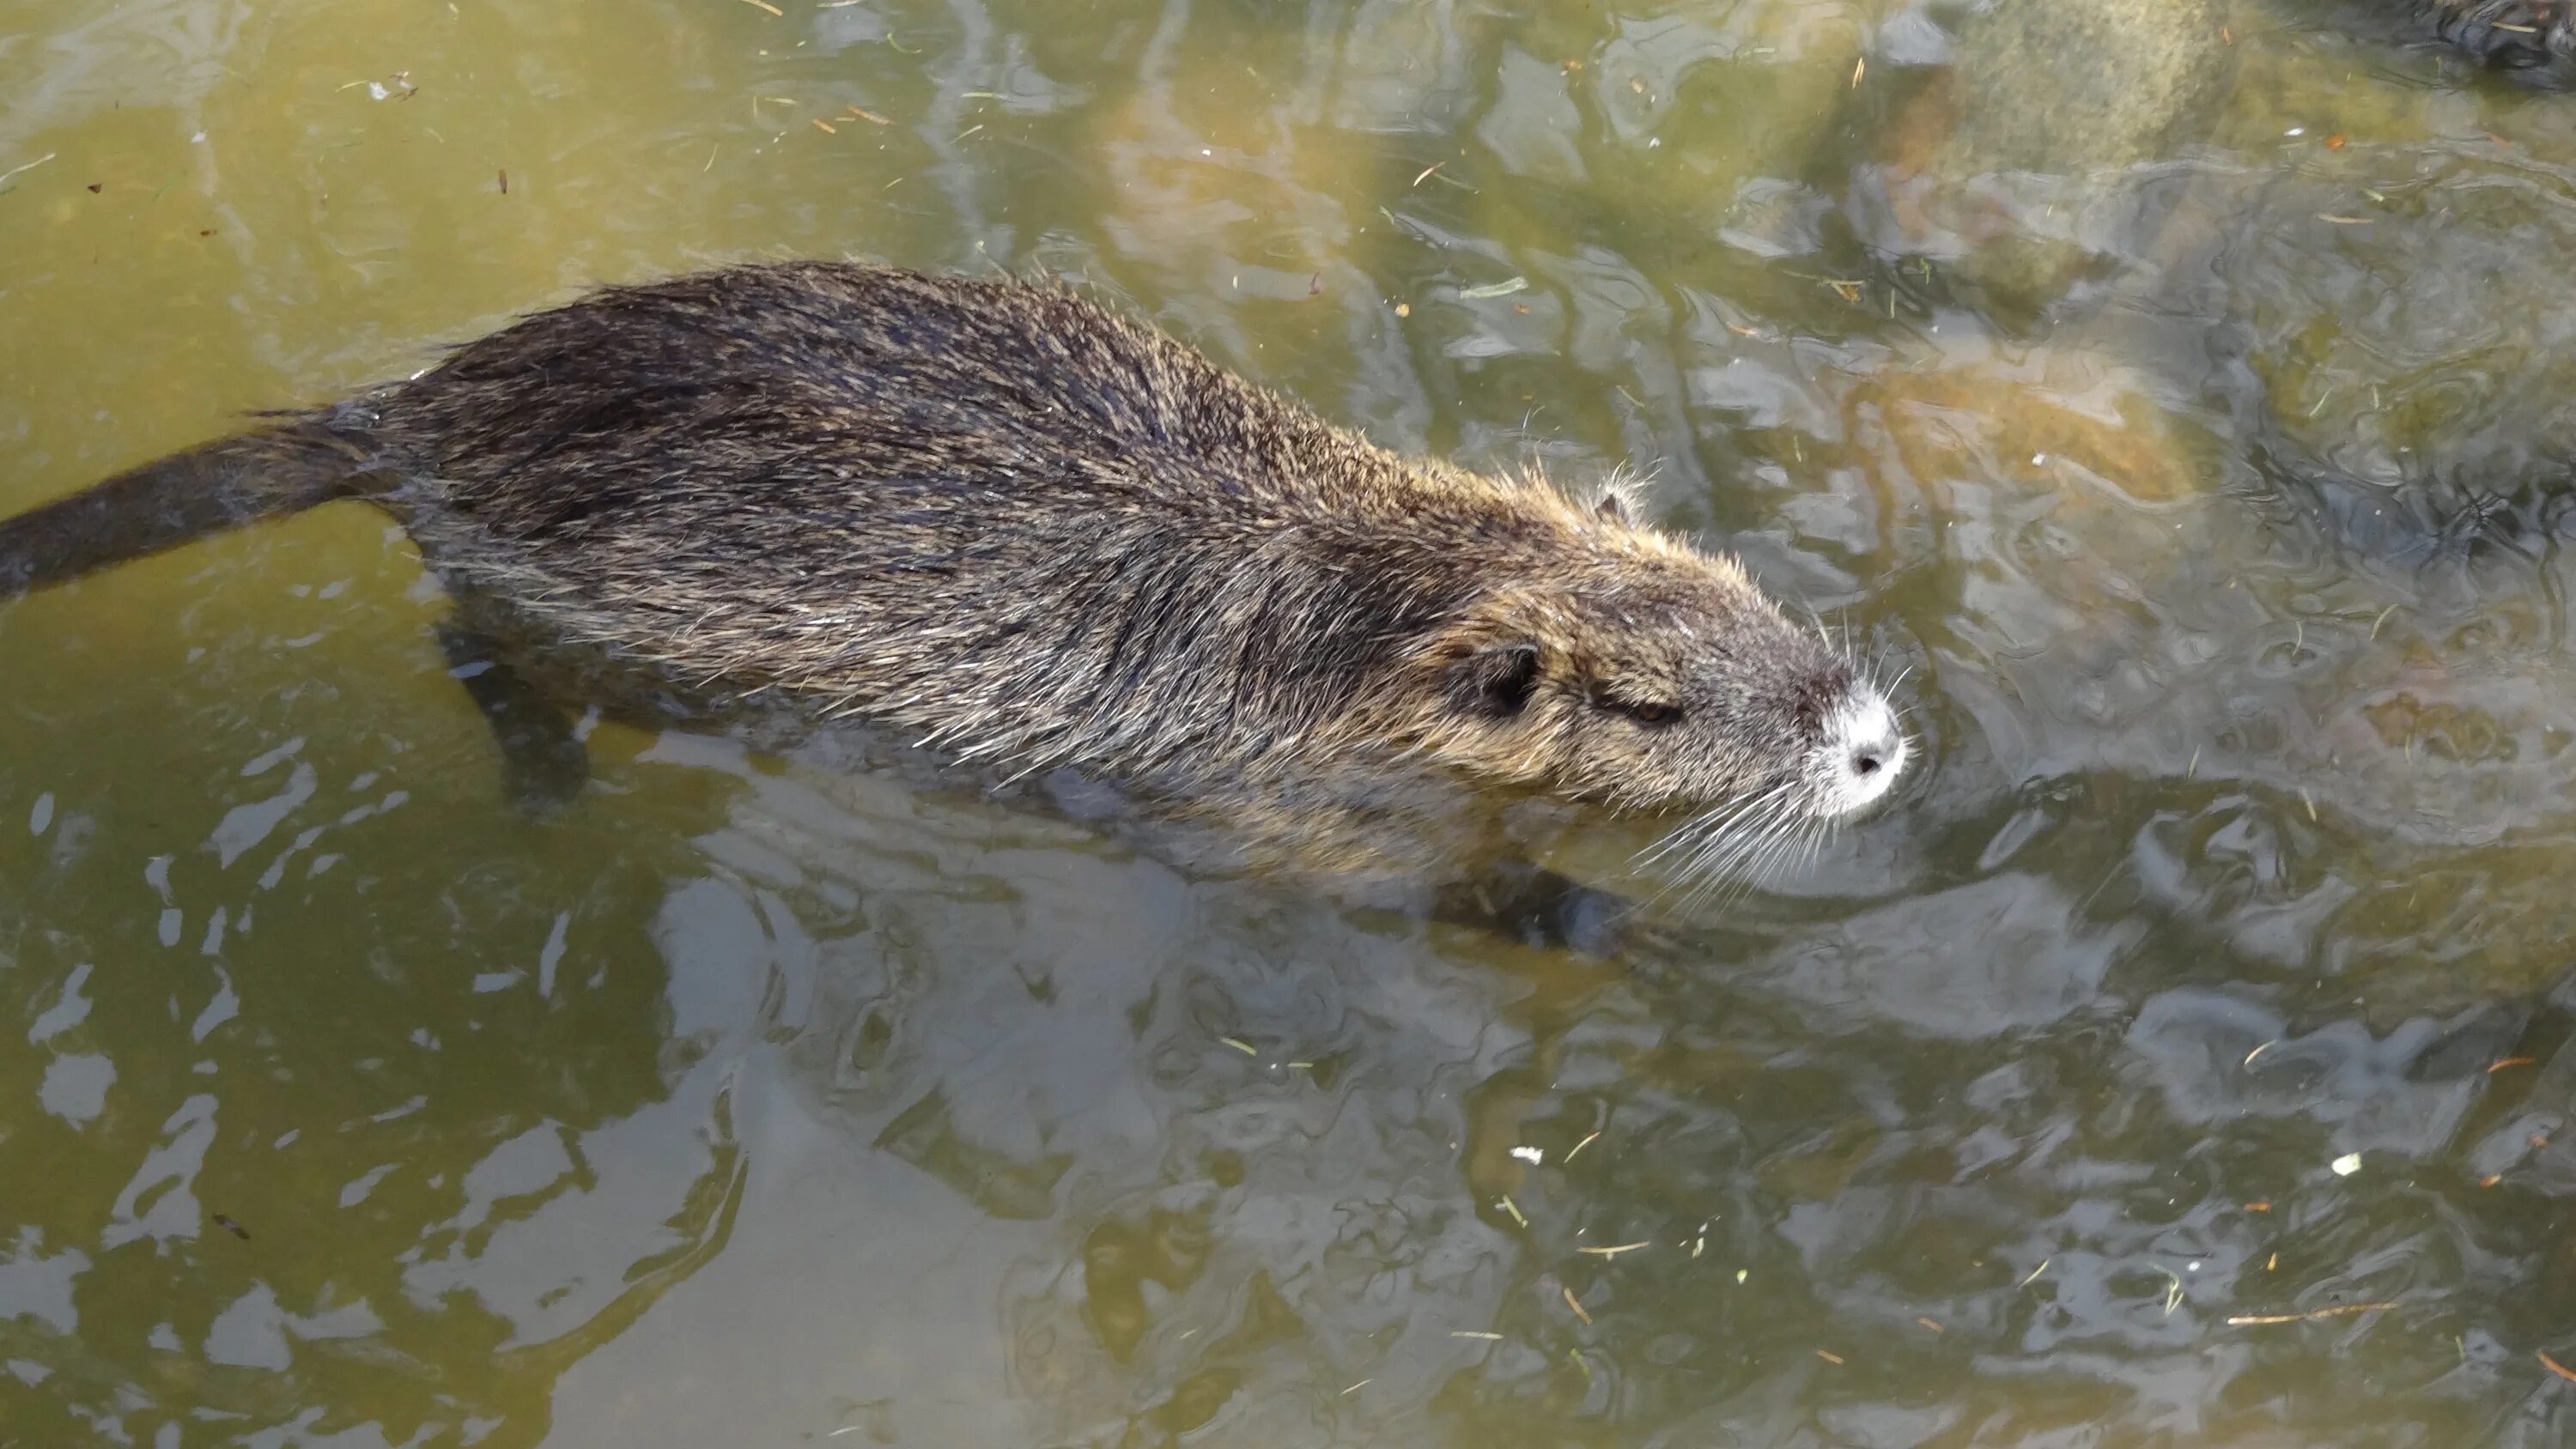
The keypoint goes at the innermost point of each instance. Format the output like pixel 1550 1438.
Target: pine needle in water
pixel 2340 1310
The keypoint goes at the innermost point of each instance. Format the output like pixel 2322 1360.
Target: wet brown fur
pixel 1007 523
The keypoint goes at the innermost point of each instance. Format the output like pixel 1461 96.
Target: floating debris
pixel 824 126
pixel 234 1228
pixel 2347 1165
pixel 1425 173
pixel 765 5
pixel 2497 1066
pixel 1498 289
pixel 1830 1357
pixel 2035 1272
pixel 30 166
pixel 1579 1146
pixel 1530 1155
pixel 1577 1356
pixel 2258 1051
pixel 1507 1205
pixel 1355 1388
pixel 1239 1044
pixel 2340 1310
pixel 871 117
pixel 1571 1303
pixel 1932 1325
pixel 2554 1366
pixel 1475 1334
pixel 1614 1252
pixel 2173 1290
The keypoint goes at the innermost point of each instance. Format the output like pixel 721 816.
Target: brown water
pixel 760 1101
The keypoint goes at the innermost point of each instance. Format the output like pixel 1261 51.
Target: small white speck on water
pixel 2347 1165
pixel 1530 1155
pixel 2039 460
pixel 42 815
pixel 2296 131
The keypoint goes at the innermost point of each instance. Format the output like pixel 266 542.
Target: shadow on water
pixel 2207 988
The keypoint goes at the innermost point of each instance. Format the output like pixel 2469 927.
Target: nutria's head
pixel 1636 671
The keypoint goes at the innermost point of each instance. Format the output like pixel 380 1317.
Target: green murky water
pixel 2208 469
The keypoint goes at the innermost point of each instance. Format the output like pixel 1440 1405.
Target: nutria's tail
pixel 207 489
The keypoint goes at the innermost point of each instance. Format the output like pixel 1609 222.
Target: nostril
pixel 1865 763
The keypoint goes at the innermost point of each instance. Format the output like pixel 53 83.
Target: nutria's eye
pixel 1657 715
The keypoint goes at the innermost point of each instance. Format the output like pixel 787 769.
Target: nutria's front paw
pixel 1553 912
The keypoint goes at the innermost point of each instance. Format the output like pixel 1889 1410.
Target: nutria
pixel 994 516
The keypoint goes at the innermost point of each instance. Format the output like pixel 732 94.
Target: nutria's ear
pixel 1495 681
pixel 1612 507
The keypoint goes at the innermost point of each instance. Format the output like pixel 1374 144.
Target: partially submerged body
pixel 994 519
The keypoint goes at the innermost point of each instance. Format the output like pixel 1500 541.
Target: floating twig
pixel 2340 1310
